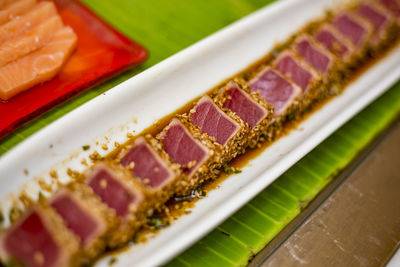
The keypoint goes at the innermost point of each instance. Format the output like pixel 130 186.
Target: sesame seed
pixel 53 174
pixel 103 183
pixel 131 165
pixel 38 257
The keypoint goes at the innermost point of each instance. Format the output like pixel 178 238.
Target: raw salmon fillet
pixel 32 18
pixel 37 67
pixel 3 3
pixel 29 41
pixel 14 9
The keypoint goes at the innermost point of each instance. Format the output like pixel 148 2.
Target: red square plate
pixel 101 52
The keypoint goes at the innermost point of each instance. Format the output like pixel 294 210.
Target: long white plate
pixel 140 101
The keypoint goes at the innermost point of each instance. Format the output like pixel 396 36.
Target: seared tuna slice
pixel 327 64
pixel 277 91
pixel 251 108
pixel 353 28
pixel 122 193
pixel 149 162
pixel 304 76
pixel 221 125
pixel 86 216
pixel 187 146
pixel 319 59
pixel 213 121
pixel 329 38
pixel 113 190
pixel 39 238
pixel 183 148
pixel 291 67
pixel 243 104
pixel 145 163
pixel 379 20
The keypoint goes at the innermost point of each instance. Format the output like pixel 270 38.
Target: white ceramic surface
pixel 140 101
pixel 395 260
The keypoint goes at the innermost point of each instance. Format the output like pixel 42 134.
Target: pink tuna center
pixel 112 192
pixel 248 110
pixel 32 244
pixel 273 88
pixel 81 222
pixel 331 43
pixel 298 74
pixel 350 28
pixel 372 15
pixel 314 57
pixel 182 148
pixel 146 165
pixel 214 122
pixel 392 5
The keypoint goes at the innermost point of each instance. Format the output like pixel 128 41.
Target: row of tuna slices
pixel 115 198
pixel 318 59
pixel 34 44
pixel 106 209
pixel 108 206
pixel 224 124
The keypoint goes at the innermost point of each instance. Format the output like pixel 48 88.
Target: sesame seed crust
pixel 92 203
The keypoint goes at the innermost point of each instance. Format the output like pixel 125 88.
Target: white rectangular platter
pixel 140 101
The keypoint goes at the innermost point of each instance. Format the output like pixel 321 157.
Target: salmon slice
pixel 4 3
pixel 34 17
pixel 14 9
pixel 30 41
pixel 37 67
